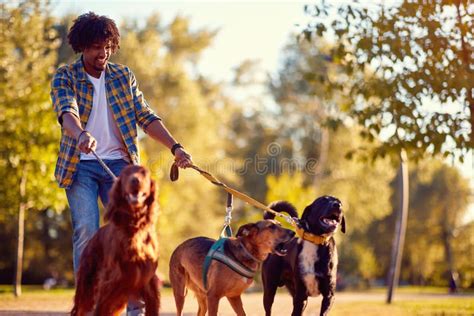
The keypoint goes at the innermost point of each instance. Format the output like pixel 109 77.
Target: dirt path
pixel 252 304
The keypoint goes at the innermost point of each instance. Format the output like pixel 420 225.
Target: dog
pixel 120 260
pixel 252 244
pixel 308 269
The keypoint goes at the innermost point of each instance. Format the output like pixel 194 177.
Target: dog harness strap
pixel 234 265
pixel 217 253
pixel 315 239
pixel 207 261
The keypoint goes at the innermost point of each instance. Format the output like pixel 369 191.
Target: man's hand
pixel 86 142
pixel 182 158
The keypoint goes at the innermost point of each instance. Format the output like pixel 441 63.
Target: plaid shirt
pixel 72 92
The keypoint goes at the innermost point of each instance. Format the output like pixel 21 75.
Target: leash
pixel 102 163
pixel 174 175
pixel 293 221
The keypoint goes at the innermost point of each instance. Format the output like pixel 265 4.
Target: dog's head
pixel 265 237
pixel 132 196
pixel 323 216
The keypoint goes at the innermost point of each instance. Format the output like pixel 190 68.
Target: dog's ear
pixel 245 230
pixel 306 211
pixel 151 197
pixel 343 224
pixel 115 199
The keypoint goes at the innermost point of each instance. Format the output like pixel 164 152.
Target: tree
pixel 398 59
pixel 400 62
pixel 29 141
pixel 439 199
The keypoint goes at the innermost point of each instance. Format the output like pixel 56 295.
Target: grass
pixel 407 301
pixel 458 306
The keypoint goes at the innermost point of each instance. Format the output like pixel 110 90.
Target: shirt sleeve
pixel 62 95
pixel 144 114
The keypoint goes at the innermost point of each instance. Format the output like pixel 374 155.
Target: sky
pixel 247 29
pixel 256 30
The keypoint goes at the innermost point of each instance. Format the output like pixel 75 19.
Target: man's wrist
pixel 174 147
pixel 80 134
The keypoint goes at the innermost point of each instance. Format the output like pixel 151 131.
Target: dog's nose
pixel 336 204
pixel 135 181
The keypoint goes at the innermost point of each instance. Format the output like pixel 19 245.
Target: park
pixel 369 102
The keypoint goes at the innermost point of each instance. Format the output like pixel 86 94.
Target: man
pixel 99 106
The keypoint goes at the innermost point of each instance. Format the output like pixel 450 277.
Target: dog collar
pixel 315 239
pixel 248 254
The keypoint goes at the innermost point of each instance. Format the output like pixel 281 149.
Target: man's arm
pixel 65 106
pixel 85 141
pixel 158 131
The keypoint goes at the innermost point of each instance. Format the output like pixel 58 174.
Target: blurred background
pixel 280 100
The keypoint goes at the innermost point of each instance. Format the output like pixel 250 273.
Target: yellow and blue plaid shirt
pixel 71 91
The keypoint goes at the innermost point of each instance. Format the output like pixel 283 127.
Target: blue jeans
pixel 91 182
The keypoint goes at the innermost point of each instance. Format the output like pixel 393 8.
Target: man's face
pixel 96 57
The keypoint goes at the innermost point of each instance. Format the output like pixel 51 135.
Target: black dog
pixel 310 267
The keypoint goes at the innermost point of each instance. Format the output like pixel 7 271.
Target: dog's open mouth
pixel 136 199
pixel 331 221
pixel 281 249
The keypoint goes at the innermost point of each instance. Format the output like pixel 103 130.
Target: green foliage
pixel 28 127
pixel 397 62
pixel 438 202
pixel 27 123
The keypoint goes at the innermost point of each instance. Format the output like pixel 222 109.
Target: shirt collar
pixel 81 71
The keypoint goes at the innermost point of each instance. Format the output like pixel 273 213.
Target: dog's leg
pixel 202 301
pixel 111 300
pixel 299 300
pixel 236 303
pixel 151 296
pixel 326 304
pixel 271 272
pixel 269 291
pixel 212 304
pixel 113 306
pixel 178 283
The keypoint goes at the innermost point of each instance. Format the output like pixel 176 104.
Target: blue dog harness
pixel 217 253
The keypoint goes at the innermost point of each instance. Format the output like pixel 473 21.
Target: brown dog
pixel 254 242
pixel 120 260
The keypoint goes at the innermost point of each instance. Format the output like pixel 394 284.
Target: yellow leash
pixel 174 174
pixel 300 232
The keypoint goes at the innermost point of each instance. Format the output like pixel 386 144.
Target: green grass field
pixel 407 301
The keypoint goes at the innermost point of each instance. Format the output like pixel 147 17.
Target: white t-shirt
pixel 102 126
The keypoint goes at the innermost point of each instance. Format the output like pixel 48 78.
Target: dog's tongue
pixel 330 222
pixel 134 198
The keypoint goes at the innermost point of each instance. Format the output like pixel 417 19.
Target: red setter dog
pixel 120 260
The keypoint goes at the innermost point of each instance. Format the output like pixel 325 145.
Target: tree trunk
pixel 20 236
pixel 400 229
pixel 323 155
pixel 466 53
pixel 448 252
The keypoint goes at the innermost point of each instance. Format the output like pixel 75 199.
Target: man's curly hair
pixel 90 28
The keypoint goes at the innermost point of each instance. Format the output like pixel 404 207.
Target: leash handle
pixel 102 163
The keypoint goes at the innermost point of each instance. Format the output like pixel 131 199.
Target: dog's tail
pixel 85 282
pixel 178 279
pixel 280 207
